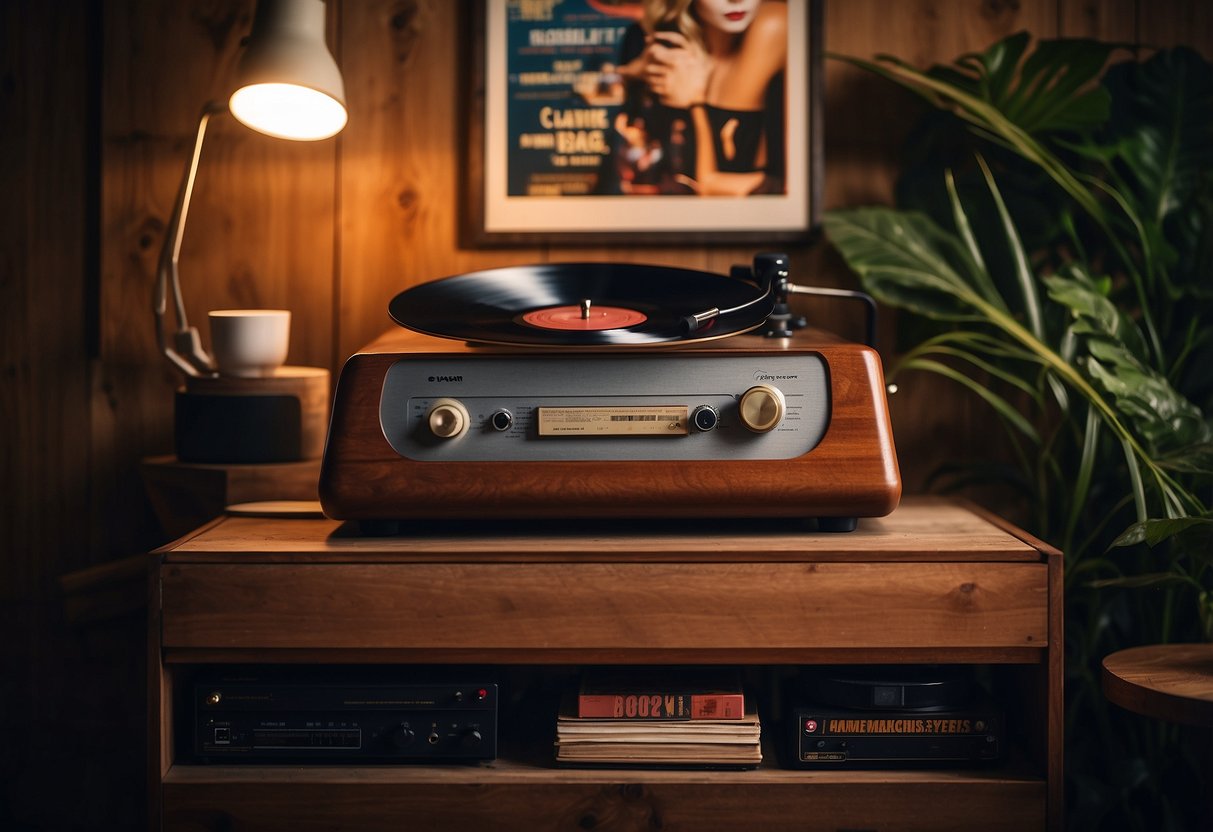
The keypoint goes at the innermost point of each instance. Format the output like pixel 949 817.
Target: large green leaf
pixel 1152 579
pixel 1197 532
pixel 906 260
pixel 1094 313
pixel 1154 409
pixel 1052 90
pixel 1056 89
pixel 1162 128
pixel 1190 459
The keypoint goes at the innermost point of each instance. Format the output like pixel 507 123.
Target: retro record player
pixel 608 390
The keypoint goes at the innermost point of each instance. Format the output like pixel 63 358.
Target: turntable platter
pixel 588 304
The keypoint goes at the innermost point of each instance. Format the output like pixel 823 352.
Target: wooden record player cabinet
pixel 934 582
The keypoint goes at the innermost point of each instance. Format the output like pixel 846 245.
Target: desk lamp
pixel 287 86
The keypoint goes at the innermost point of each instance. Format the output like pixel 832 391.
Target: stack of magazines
pixel 659 717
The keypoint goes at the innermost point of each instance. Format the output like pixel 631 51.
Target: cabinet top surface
pixel 920 529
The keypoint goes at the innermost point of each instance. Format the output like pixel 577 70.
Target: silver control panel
pixel 675 406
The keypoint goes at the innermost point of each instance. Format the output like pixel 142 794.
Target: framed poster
pixel 625 121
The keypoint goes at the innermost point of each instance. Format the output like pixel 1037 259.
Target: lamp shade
pixel 287 83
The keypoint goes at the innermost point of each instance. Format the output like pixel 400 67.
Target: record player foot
pixel 379 528
pixel 837 524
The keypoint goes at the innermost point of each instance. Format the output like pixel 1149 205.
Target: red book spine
pixel 661 706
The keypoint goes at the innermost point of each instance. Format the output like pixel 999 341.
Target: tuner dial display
pixel 664 407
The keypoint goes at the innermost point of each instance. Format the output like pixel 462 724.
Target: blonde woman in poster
pixel 711 76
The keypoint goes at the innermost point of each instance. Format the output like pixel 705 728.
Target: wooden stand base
pixel 185 495
pixel 278 418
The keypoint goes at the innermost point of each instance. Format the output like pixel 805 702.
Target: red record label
pixel 571 318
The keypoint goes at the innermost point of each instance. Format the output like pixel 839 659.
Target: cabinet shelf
pixel 502 771
pixel 509 795
pixel 620 655
pixel 933 583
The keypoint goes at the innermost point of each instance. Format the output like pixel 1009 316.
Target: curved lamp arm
pixel 185 350
pixel 288 86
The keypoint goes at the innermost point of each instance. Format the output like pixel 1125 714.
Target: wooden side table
pixel 1166 681
pixel 1172 682
pixel 185 495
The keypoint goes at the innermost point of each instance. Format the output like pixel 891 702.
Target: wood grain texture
pixel 185 495
pixel 655 606
pixel 226 591
pixel 43 234
pixel 920 529
pixel 46 225
pixel 157 60
pixel 867 121
pixel 630 655
pixel 394 178
pixel 1110 20
pixel 1173 682
pixel 851 472
pixel 1052 686
pixel 1178 23
pixel 539 767
pixel 805 806
pixel 260 228
pixel 405 67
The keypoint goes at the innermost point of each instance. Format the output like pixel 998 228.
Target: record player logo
pixel 761 375
pixel 441 379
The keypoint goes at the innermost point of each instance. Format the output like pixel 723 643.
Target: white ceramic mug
pixel 250 343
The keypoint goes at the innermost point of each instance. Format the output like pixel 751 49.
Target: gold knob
pixel 448 418
pixel 214 698
pixel 761 408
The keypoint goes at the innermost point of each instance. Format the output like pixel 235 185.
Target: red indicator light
pixel 810 725
pixel 480 694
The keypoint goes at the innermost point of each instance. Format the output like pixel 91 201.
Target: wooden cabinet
pixel 932 583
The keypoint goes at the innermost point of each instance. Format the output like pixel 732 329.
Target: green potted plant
pixel 1054 224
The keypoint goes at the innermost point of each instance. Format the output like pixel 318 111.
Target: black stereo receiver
pixel 894 716
pixel 246 721
pixel 837 738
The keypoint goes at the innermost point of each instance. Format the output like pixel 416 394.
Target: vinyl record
pixel 583 304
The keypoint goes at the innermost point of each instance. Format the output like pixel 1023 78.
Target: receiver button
pixel 448 418
pixel 401 736
pixel 501 419
pixel 761 408
pixel 705 417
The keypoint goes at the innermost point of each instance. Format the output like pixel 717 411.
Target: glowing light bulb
pixel 288 111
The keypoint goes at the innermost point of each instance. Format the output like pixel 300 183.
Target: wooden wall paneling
pixel 259 231
pixel 866 118
pixel 402 158
pixel 151 97
pixel 1177 22
pixel 261 220
pixel 264 210
pixel 866 122
pixel 45 130
pixel 1109 20
pixel 43 391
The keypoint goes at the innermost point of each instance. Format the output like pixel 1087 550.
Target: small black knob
pixel 471 739
pixel 402 735
pixel 705 417
pixel 501 419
